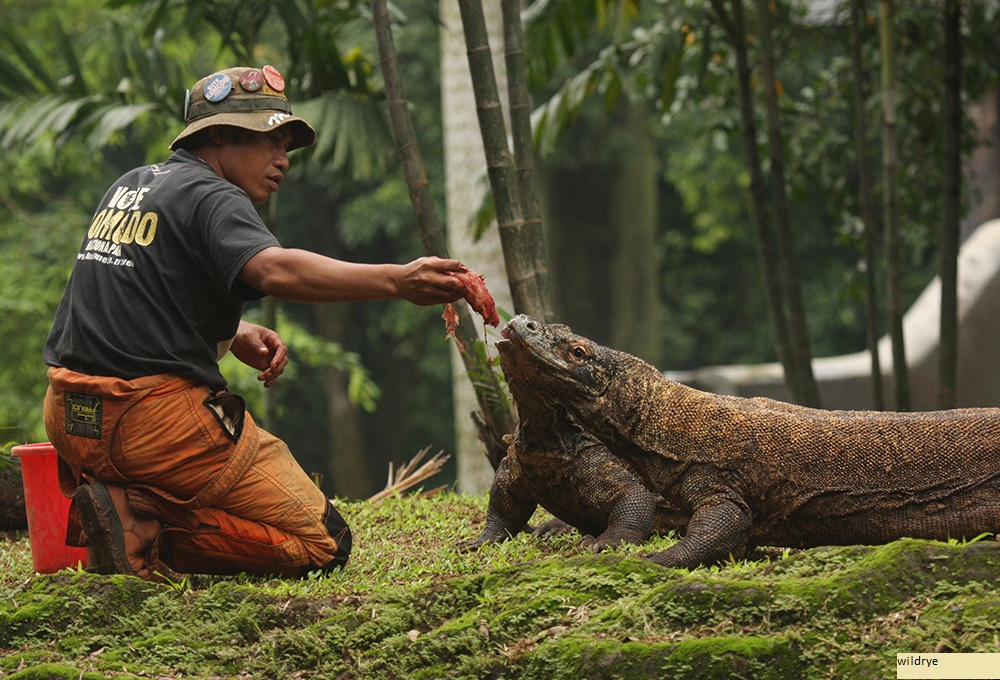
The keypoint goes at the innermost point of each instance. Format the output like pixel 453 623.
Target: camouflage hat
pixel 243 97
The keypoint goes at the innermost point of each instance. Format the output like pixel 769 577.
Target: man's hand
pixel 431 281
pixel 260 348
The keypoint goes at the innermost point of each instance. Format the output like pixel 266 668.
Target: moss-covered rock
pixel 69 599
pixel 13 516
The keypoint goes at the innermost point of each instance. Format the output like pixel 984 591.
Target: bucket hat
pixel 243 97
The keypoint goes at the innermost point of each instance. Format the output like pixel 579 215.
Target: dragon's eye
pixel 579 352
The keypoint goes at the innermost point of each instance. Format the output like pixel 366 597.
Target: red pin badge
pixel 251 80
pixel 274 78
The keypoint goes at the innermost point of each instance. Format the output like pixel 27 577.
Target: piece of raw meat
pixel 478 297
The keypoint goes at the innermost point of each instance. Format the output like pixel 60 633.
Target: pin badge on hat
pixel 274 78
pixel 218 87
pixel 251 80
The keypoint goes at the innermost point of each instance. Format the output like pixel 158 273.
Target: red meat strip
pixel 478 296
pixel 479 299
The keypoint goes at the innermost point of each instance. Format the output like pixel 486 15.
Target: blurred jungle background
pixel 653 181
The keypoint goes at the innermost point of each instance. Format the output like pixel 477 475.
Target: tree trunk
pixel 602 227
pixel 348 465
pixel 767 251
pixel 806 391
pixel 13 515
pixel 890 161
pixel 951 204
pixel 519 259
pixel 407 147
pixel 866 205
pixel 634 203
pixel 519 97
pixel 983 165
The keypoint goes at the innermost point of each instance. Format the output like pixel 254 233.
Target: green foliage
pixel 558 30
pixel 72 93
pixel 674 58
pixel 54 671
pixel 408 605
pixel 701 137
pixel 98 86
pixel 39 249
pixel 642 60
pixel 83 91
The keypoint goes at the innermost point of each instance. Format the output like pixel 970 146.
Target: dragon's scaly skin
pixel 761 472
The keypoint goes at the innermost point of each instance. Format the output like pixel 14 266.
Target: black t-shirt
pixel 155 288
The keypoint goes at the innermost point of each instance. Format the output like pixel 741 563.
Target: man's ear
pixel 216 135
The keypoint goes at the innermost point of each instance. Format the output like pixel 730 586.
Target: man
pixel 166 469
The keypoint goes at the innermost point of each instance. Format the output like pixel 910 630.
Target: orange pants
pixel 231 496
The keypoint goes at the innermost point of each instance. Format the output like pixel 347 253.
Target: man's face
pixel 255 161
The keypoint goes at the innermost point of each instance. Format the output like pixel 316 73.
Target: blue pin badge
pixel 218 87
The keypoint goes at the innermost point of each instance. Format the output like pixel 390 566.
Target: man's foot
pixel 119 538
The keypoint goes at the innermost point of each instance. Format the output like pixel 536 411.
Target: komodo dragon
pixel 754 471
pixel 554 463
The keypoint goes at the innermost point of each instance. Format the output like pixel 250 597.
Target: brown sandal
pixel 106 550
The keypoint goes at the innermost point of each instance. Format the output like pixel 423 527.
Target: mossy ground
pixel 410 606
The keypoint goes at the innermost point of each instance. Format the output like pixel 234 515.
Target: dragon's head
pixel 552 362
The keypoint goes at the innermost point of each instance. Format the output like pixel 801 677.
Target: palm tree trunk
pixel 602 228
pixel 463 158
pixel 867 209
pixel 806 392
pixel 951 204
pixel 890 161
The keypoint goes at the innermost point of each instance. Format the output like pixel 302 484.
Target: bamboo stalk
pixel 519 98
pixel 518 257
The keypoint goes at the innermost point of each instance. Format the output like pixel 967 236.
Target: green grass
pixel 409 605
